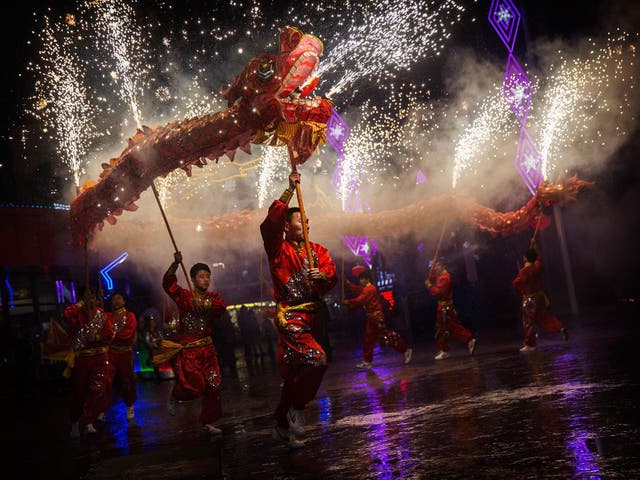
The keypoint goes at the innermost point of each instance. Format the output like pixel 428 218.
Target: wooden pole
pixel 435 256
pixel 535 232
pixel 166 222
pixel 303 217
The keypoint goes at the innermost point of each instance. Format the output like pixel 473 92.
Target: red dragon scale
pixel 267 102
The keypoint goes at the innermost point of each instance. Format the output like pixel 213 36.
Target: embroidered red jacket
pixel 529 278
pixel 195 322
pixel 288 262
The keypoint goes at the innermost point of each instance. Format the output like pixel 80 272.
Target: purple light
pixel 73 293
pixel 528 161
pixel 517 89
pixel 363 247
pixel 420 178
pixel 337 132
pixel 59 291
pixel 505 19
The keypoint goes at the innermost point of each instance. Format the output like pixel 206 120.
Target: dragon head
pixel 298 58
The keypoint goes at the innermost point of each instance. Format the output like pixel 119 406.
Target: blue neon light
pixel 6 282
pixel 104 272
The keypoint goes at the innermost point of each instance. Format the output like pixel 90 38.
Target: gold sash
pixel 169 349
pixel 73 354
pixel 281 310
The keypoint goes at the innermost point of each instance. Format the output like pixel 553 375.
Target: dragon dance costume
pixel 447 321
pixel 88 363
pixel 121 354
pixel 534 303
pixel 376 328
pixel 301 359
pixel 194 357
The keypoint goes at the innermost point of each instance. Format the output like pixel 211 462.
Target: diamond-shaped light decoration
pixel 505 18
pixel 363 247
pixel 528 161
pixel 517 89
pixel 337 132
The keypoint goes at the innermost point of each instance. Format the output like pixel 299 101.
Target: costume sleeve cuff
pixel 286 196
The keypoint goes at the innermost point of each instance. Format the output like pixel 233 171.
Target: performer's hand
pixel 177 257
pixel 346 282
pixel 345 302
pixel 294 178
pixel 315 274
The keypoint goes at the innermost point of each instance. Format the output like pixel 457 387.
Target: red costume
pixel 447 322
pixel 90 336
pixel 301 359
pixel 376 328
pixel 196 364
pixel 121 354
pixel 534 302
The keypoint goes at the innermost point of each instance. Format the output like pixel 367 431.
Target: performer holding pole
pixel 447 323
pixel 534 302
pixel 301 275
pixel 367 296
pixel 194 357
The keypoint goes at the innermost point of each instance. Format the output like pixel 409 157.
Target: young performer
pixel 195 361
pixel 376 328
pixel 91 331
pixel 298 291
pixel 121 351
pixel 534 302
pixel 447 322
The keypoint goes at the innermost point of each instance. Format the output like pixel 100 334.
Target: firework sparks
pixel 274 164
pixel 492 123
pixel 578 91
pixel 61 100
pixel 384 141
pixel 393 36
pixel 117 32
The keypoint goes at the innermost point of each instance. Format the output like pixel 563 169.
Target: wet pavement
pixel 567 411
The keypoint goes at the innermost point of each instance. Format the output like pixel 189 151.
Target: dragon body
pixel 422 219
pixel 269 101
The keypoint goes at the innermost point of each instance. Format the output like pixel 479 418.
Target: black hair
pixel 197 267
pixel 366 274
pixel 290 213
pixel 121 293
pixel 531 255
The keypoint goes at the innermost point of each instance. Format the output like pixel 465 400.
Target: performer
pixel 367 296
pixel 121 352
pixel 447 322
pixel 195 360
pixel 298 292
pixel 534 302
pixel 91 332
